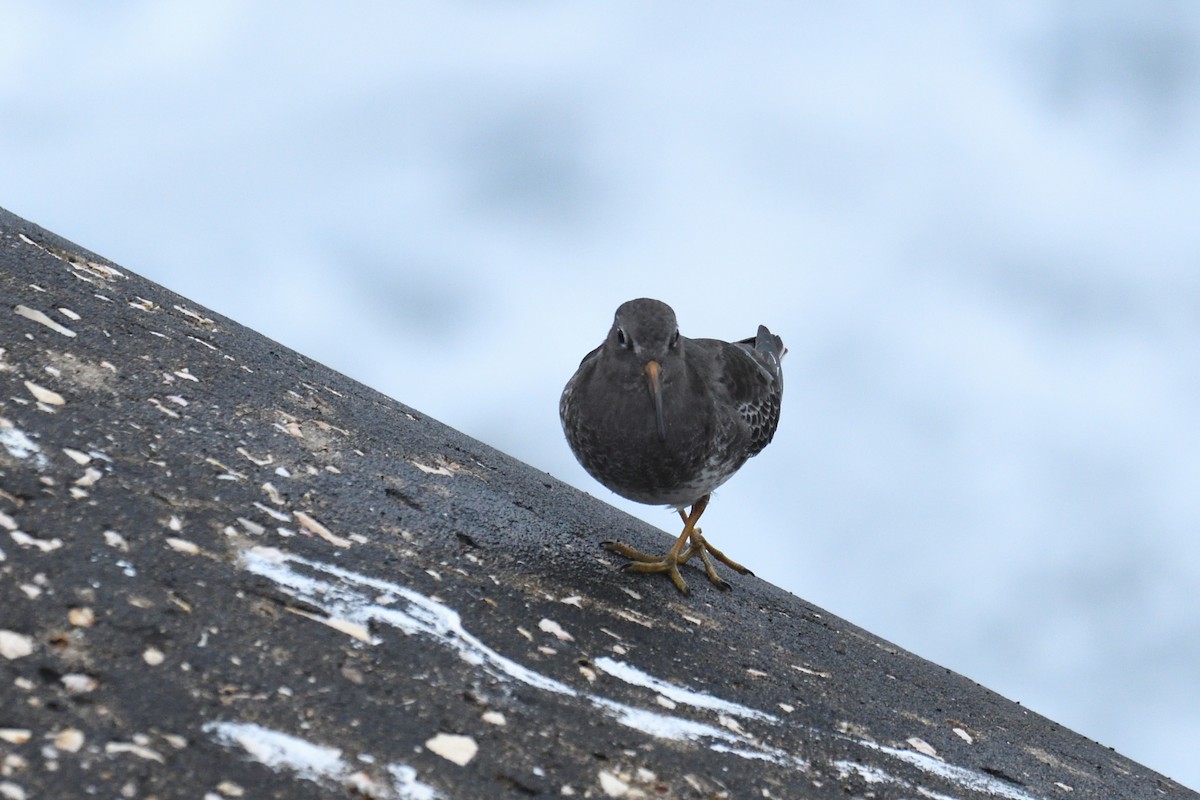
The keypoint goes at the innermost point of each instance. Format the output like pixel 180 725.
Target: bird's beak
pixel 652 371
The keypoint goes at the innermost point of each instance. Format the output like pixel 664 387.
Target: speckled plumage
pixel 719 406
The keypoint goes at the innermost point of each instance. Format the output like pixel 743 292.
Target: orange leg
pixel 678 554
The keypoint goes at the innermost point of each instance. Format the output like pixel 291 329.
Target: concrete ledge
pixel 228 571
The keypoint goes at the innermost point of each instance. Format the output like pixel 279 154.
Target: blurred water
pixel 974 225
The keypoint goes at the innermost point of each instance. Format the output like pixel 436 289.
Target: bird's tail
pixel 767 349
pixel 768 343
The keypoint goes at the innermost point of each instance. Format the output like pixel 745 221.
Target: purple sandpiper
pixel 663 419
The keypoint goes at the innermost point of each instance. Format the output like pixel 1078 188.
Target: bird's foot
pixel 644 562
pixel 700 545
pixel 697 545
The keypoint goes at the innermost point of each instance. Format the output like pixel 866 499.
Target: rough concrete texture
pixel 227 571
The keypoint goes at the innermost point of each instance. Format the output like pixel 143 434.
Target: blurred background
pixel 975 226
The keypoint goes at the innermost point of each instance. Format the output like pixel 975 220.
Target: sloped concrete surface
pixel 227 571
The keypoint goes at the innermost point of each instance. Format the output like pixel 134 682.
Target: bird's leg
pixel 691 548
pixel 678 554
pixel 684 517
pixel 642 562
pixel 700 545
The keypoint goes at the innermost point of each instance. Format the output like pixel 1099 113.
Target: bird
pixel 662 419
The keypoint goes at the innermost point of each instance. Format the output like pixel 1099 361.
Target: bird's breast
pixel 618 442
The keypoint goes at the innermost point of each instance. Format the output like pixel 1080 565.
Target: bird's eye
pixel 674 338
pixel 622 339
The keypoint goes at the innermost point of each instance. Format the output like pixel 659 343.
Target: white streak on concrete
pixel 407 786
pixel 353 597
pixel 691 697
pixel 313 762
pixel 875 775
pixel 869 774
pixel 18 445
pixel 417 614
pixel 960 776
pixel 281 751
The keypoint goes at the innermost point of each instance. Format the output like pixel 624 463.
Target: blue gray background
pixel 975 225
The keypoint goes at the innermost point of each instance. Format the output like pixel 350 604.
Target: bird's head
pixel 645 333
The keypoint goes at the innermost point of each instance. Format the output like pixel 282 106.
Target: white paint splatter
pixel 280 750
pixel 667 726
pixel 18 445
pixel 875 775
pixel 313 762
pixel 406 784
pixel 868 774
pixel 418 615
pixel 960 776
pixel 353 598
pixel 679 694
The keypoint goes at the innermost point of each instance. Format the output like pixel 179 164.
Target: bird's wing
pixel 754 379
